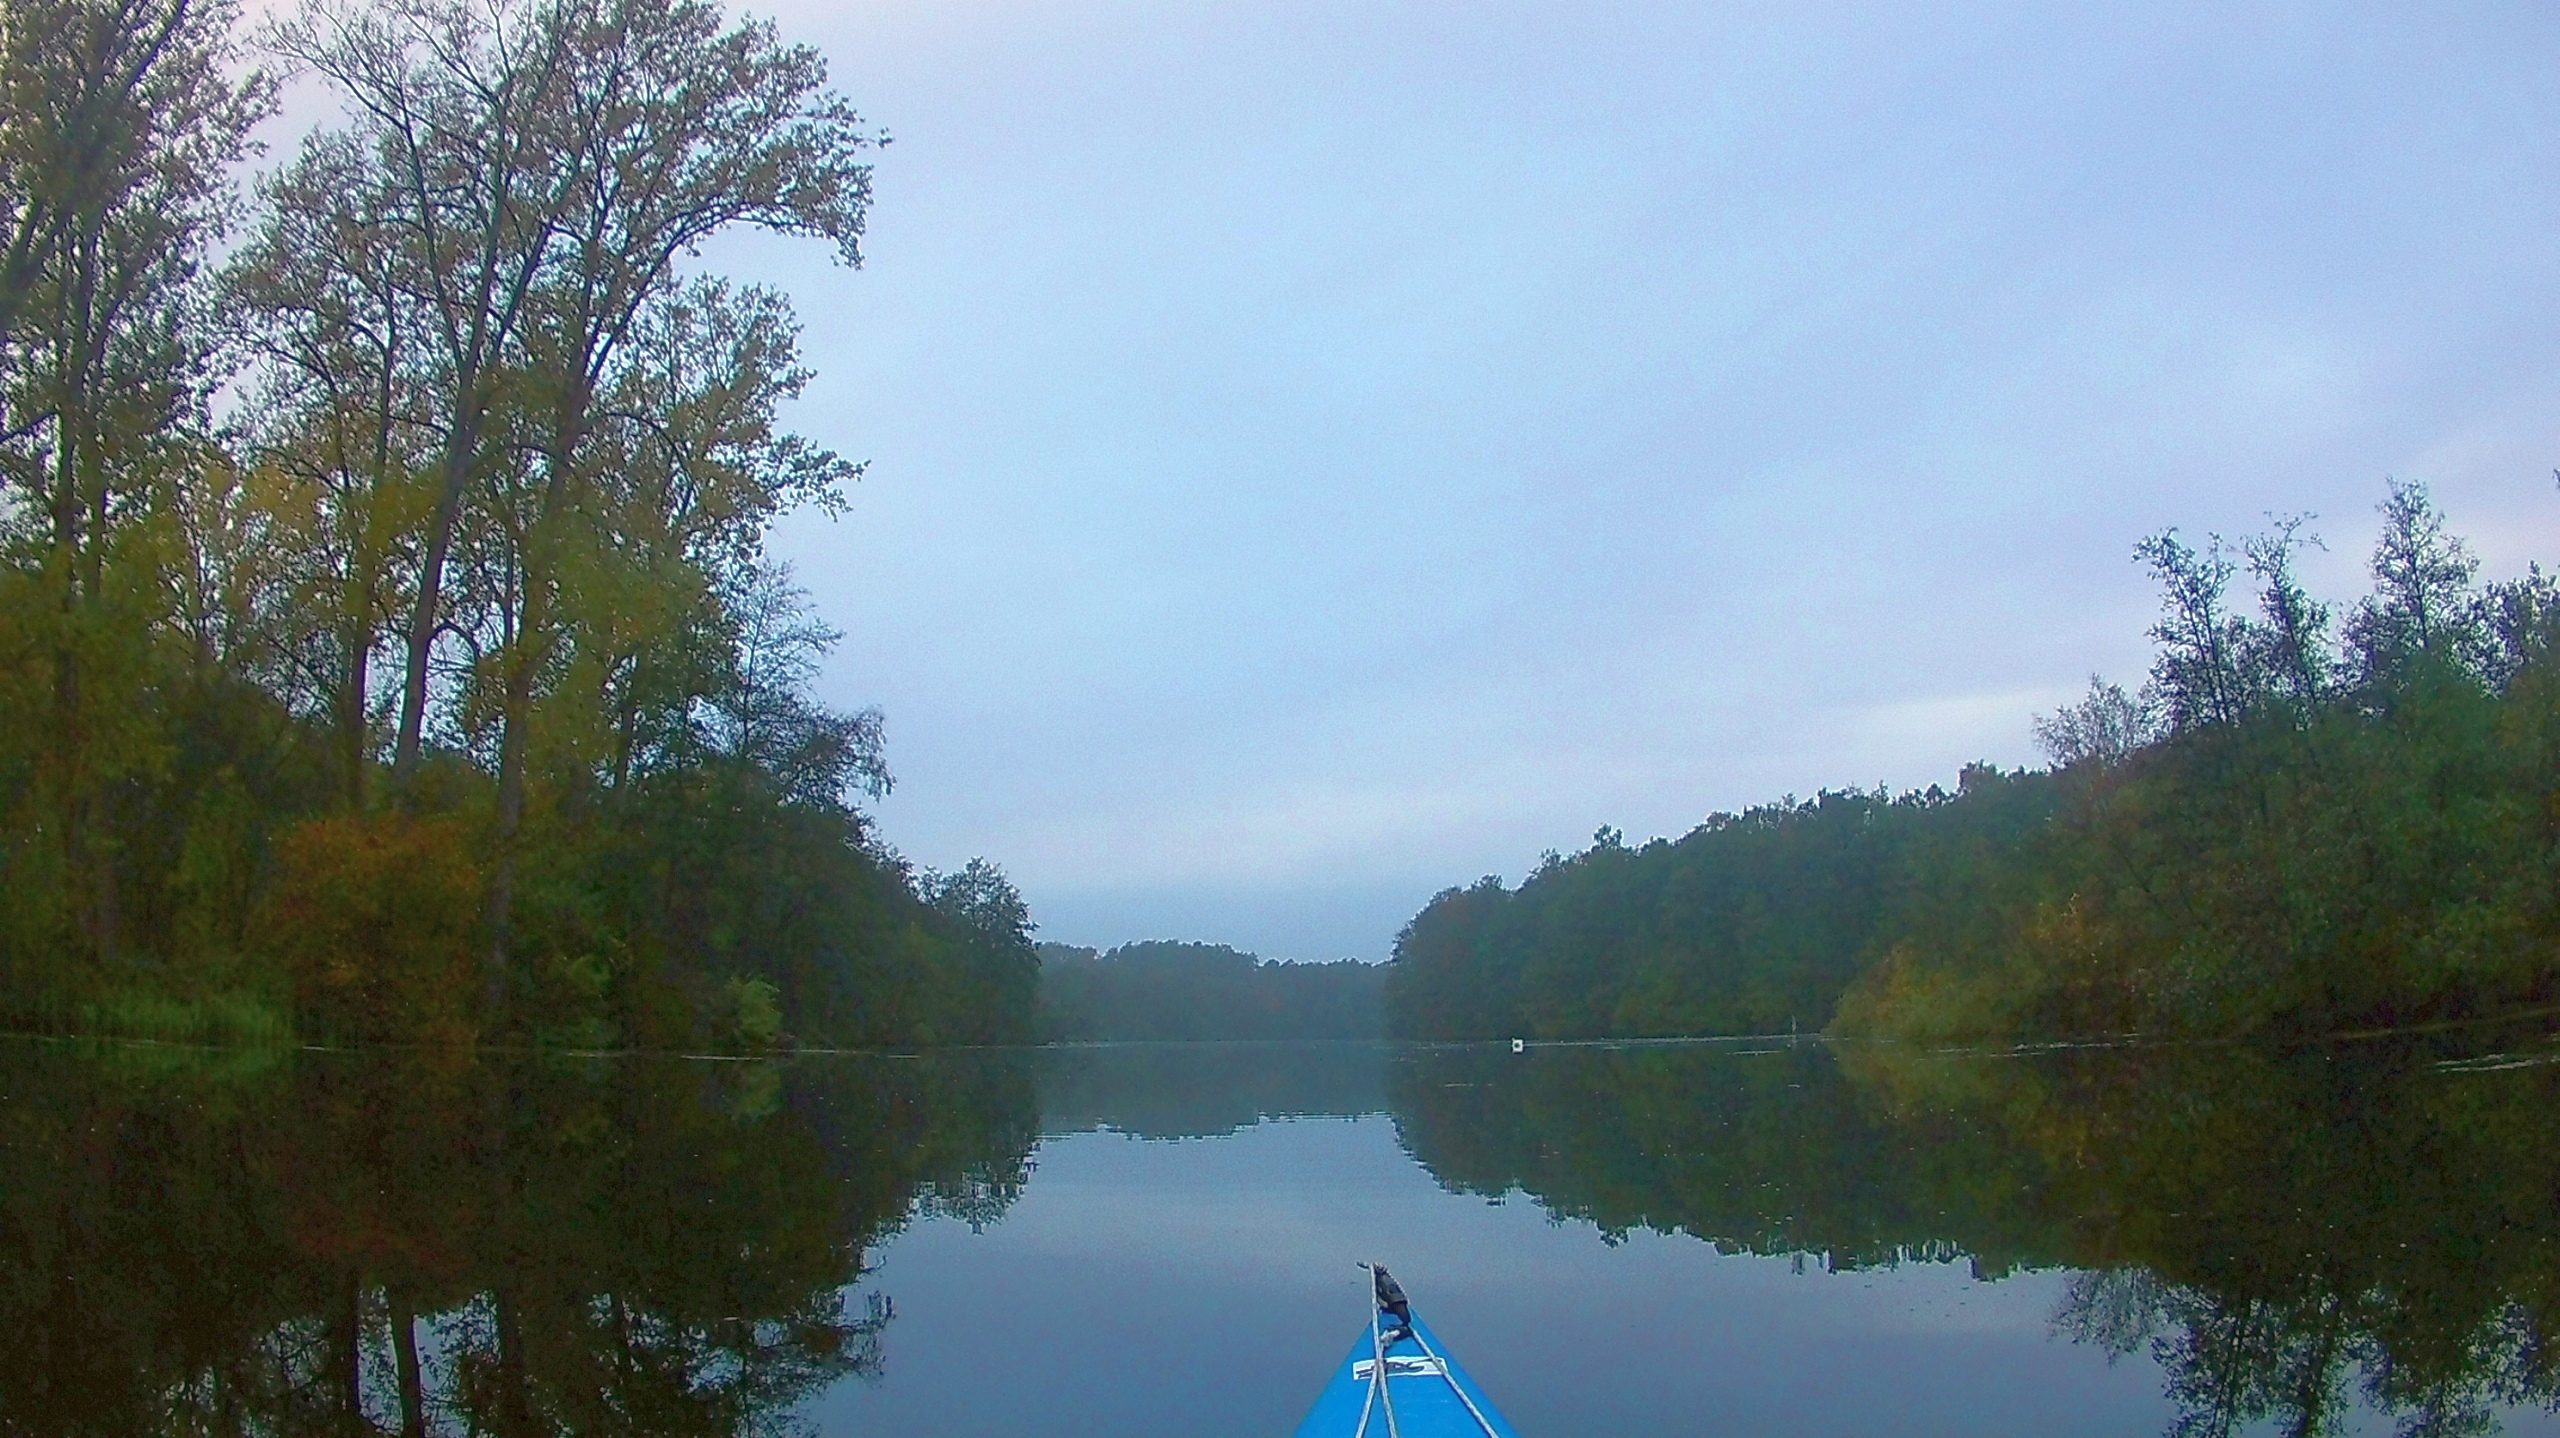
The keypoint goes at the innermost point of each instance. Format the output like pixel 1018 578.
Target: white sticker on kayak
pixel 1401 1367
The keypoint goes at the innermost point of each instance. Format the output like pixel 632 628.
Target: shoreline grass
pixel 222 1020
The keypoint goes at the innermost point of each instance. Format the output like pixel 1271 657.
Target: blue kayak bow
pixel 1400 1383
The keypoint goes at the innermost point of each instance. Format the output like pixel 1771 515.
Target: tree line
pixel 2310 817
pixel 389 646
pixel 1163 989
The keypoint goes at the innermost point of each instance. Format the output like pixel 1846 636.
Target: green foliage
pixel 1751 923
pixel 444 689
pixel 221 1018
pixel 120 127
pixel 1166 990
pixel 755 1013
pixel 2287 833
pixel 989 981
pixel 2321 839
pixel 372 918
pixel 710 870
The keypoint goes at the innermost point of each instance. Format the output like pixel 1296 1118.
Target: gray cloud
pixel 1323 452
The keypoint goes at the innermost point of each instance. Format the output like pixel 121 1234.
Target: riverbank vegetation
pixel 2312 817
pixel 389 649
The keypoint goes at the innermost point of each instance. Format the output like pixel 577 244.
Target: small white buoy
pixel 1519 1046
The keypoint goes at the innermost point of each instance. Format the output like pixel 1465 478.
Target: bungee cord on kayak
pixel 1483 1423
pixel 1366 1396
pixel 1377 1397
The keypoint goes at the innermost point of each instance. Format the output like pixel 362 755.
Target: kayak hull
pixel 1431 1395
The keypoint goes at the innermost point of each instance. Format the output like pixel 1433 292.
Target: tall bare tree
pixel 674 125
pixel 454 171
pixel 342 411
pixel 489 255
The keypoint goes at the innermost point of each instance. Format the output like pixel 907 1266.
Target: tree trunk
pixel 346 1341
pixel 358 640
pixel 531 649
pixel 515 1386
pixel 84 873
pixel 626 730
pixel 404 1342
pixel 516 717
pixel 461 448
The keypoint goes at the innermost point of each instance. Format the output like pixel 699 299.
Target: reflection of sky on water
pixel 1206 1285
pixel 669 1237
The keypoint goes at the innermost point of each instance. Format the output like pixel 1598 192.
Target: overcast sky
pixel 1322 453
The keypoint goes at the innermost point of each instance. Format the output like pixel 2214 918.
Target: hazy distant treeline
pixel 388 646
pixel 2308 818
pixel 1166 990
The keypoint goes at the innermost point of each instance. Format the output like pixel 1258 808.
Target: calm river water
pixel 1677 1239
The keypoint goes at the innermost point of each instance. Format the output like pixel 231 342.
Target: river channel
pixel 1711 1238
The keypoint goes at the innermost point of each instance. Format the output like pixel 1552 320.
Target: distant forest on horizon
pixel 1171 990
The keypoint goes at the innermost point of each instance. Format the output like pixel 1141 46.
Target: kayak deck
pixel 1425 1394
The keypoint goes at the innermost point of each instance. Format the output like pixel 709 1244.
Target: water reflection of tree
pixel 359 1247
pixel 2287 1235
pixel 2233 1360
pixel 2229 1361
pixel 1763 1151
pixel 2300 1228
